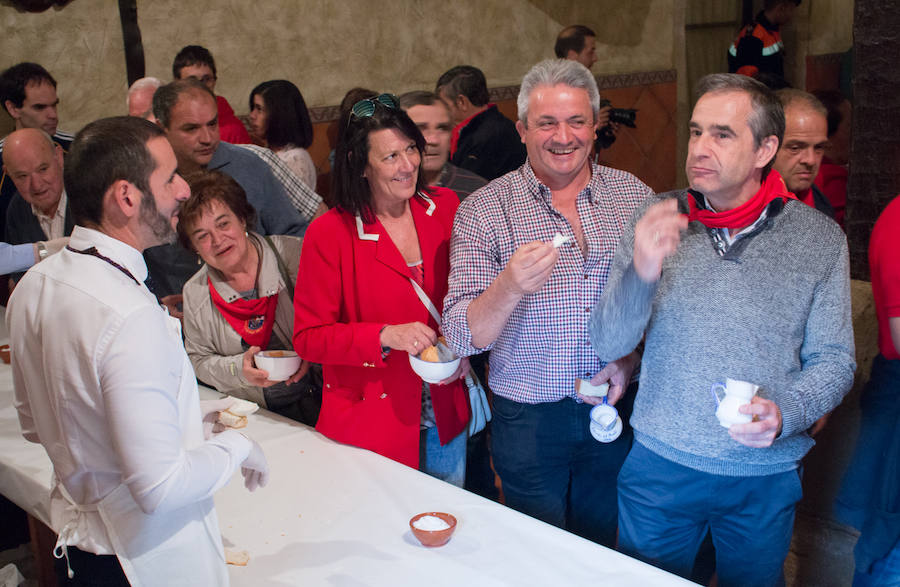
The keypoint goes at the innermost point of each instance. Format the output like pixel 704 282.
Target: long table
pixel 337 515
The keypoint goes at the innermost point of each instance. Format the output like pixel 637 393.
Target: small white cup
pixel 606 425
pixel 736 394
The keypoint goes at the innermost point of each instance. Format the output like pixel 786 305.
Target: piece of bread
pixel 584 387
pixel 430 354
pixel 239 558
pixel 230 420
pixel 242 407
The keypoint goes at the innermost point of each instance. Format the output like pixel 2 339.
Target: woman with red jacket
pixel 358 313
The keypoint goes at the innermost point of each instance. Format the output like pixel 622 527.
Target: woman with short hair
pixel 241 299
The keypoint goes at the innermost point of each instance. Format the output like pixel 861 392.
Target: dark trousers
pixel 90 570
pixel 666 509
pixel 551 468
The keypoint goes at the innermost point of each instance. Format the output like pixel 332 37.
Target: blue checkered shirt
pixel 544 346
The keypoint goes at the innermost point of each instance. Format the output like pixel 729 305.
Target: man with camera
pixel 579 43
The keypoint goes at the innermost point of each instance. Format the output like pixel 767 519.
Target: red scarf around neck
pixel 772 188
pixel 252 319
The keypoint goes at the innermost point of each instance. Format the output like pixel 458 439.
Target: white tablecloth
pixel 339 516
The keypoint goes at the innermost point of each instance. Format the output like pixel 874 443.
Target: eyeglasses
pixel 366 108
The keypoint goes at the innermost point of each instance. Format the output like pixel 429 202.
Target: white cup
pixel 736 394
pixel 606 425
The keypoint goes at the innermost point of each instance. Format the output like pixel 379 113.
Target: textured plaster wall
pixel 325 47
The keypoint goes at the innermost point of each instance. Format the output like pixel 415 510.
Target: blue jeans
pixel 666 509
pixel 448 462
pixel 884 572
pixel 551 468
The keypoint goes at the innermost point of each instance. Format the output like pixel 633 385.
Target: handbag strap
pixel 282 268
pixel 471 378
pixel 426 301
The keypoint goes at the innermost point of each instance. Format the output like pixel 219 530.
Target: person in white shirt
pixel 103 382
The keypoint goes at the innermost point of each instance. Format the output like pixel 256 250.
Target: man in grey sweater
pixel 732 289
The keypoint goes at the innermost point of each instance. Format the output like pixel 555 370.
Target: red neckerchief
pixel 454 136
pixel 747 213
pixel 252 319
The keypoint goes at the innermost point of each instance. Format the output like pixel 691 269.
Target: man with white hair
pixel 514 293
pixel 140 98
pixel 38 212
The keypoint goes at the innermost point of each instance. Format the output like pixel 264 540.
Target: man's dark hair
pixel 350 189
pixel 192 55
pixel 420 98
pixel 206 188
pixel 288 120
pixel 165 98
pixel 572 38
pixel 104 152
pixel 466 80
pixel 14 80
pixel 766 118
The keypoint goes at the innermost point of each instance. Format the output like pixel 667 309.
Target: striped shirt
pixel 303 197
pixel 544 346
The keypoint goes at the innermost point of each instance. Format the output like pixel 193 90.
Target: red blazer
pixel 353 281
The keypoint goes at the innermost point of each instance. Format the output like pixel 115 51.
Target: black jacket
pixel 489 145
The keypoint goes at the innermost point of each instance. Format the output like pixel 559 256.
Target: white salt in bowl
pixel 432 538
pixel 280 365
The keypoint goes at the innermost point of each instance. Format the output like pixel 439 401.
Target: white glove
pixel 210 409
pixel 255 468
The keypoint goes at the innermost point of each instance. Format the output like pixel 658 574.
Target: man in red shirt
pixel 870 495
pixel 197 62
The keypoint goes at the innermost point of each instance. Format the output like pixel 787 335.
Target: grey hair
pixel 788 96
pixel 767 117
pixel 145 83
pixel 553 72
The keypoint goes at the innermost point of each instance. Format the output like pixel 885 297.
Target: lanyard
pixel 95 253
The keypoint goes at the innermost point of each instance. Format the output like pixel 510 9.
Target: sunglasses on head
pixel 366 108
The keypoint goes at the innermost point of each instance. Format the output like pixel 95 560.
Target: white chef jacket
pixel 96 374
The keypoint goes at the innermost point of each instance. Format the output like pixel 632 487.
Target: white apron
pixel 181 547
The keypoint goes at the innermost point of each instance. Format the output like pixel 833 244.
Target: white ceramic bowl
pixel 433 372
pixel 278 364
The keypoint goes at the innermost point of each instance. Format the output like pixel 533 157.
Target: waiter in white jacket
pixel 103 382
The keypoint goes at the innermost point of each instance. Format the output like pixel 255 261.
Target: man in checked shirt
pixel 512 292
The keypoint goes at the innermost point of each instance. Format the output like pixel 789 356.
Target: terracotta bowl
pixel 433 538
pixel 4 353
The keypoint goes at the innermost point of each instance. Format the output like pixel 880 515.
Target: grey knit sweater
pixel 775 311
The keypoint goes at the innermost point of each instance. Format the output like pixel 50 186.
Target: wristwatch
pixel 43 253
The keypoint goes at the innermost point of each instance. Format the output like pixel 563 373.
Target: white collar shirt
pixel 97 369
pixel 53 226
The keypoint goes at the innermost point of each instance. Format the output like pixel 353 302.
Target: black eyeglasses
pixel 366 108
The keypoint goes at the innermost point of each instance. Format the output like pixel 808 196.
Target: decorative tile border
pixel 604 82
